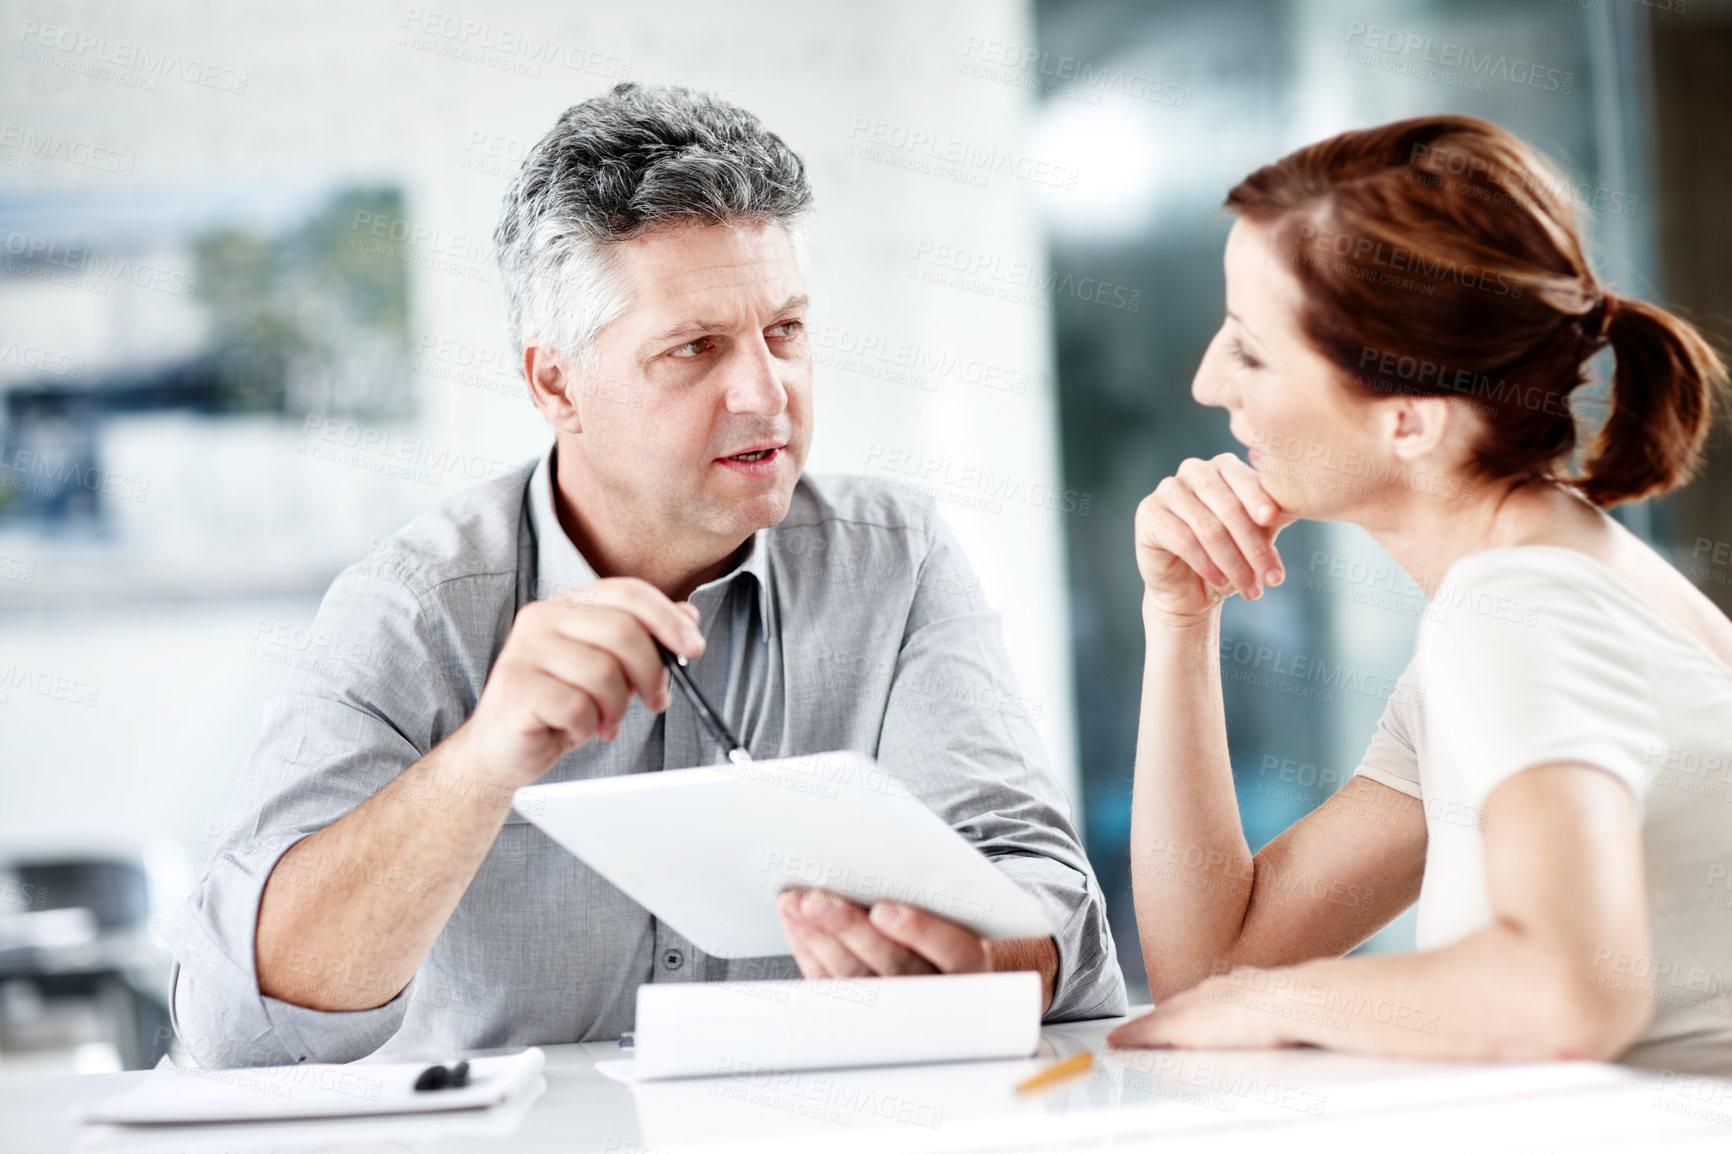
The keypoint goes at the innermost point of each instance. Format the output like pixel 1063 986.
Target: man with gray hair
pixel 374 889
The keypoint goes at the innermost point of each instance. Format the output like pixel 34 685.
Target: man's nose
pixel 753 384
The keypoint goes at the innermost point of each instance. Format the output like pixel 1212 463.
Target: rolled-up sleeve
pixel 961 736
pixel 218 1013
pixel 360 708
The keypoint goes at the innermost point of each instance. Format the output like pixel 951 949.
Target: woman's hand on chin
pixel 1206 532
pixel 1221 1013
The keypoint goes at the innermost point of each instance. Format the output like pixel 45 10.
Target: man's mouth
pixel 764 461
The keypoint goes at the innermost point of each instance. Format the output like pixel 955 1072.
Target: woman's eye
pixel 1243 357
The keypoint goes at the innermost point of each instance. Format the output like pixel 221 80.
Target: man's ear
pixel 1416 426
pixel 550 379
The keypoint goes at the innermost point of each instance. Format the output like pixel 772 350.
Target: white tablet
pixel 708 850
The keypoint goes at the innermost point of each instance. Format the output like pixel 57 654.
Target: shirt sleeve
pixel 1392 758
pixel 356 711
pixel 961 736
pixel 1524 667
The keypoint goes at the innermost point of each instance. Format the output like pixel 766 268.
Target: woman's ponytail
pixel 1664 390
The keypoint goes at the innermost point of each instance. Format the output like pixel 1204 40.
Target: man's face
pixel 696 407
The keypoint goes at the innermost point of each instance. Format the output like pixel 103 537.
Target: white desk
pixel 1146 1100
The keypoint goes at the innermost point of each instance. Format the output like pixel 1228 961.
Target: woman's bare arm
pixel 1203 902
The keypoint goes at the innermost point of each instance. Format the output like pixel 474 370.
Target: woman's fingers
pixel 1160 538
pixel 1216 1015
pixel 1240 517
pixel 1215 536
pixel 1176 537
pixel 1215 519
pixel 1234 493
pixel 1194 1021
pixel 1138 1033
pixel 1248 484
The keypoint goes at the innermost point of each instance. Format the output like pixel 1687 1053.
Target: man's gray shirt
pixel 854 624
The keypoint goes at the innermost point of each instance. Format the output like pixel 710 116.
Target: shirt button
pixel 673 959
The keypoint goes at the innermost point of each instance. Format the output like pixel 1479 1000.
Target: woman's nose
pixel 1211 386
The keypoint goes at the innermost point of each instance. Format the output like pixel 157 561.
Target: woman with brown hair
pixel 1408 313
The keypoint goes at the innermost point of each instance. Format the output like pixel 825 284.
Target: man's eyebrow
pixel 697 327
pixel 686 328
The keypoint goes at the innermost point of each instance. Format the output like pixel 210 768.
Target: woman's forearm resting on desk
pixel 1542 981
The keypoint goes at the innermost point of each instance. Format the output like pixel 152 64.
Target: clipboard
pixel 708 850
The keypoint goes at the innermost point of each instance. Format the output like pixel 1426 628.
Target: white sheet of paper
pixel 708 850
pixel 708 1029
pixel 315 1090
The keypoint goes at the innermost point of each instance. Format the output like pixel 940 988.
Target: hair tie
pixel 1608 309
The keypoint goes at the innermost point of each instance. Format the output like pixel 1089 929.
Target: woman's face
pixel 1313 440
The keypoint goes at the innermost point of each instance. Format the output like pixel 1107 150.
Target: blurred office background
pixel 250 324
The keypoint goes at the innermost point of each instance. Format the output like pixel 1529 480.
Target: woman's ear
pixel 1416 426
pixel 549 376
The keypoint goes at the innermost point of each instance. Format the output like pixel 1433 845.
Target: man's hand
pixel 834 938
pixel 570 666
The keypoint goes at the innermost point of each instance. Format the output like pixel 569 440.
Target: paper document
pixel 703 1029
pixel 181 1094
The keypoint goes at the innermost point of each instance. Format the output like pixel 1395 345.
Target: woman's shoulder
pixel 1536 611
pixel 1518 586
pixel 1552 603
pixel 1529 564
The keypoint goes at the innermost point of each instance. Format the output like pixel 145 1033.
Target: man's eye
pixel 692 349
pixel 787 329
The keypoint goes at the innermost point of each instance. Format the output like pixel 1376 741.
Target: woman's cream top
pixel 1534 655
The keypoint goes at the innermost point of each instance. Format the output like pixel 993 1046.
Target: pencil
pixel 1057 1072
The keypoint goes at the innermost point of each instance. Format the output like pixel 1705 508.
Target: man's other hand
pixel 834 938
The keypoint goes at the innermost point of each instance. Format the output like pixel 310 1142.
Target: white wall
pixel 369 92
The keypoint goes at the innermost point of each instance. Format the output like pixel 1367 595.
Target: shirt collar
pixel 559 565
pixel 756 565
